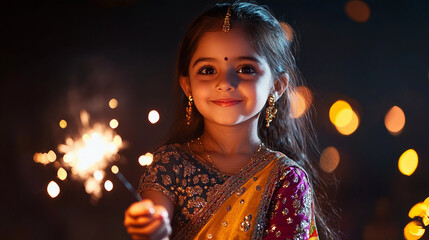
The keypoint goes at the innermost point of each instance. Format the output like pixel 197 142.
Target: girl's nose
pixel 227 82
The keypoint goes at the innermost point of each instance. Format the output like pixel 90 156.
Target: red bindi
pixel 226 58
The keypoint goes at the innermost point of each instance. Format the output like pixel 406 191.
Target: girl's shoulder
pixel 169 153
pixel 289 168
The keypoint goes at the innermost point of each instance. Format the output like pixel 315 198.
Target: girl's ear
pixel 280 85
pixel 186 85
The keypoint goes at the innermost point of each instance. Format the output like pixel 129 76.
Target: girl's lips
pixel 226 102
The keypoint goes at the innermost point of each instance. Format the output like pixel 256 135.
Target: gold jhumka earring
pixel 189 110
pixel 270 111
pixel 227 22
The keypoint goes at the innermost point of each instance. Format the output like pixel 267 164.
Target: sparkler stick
pixel 126 183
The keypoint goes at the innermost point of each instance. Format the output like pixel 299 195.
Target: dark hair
pixel 292 136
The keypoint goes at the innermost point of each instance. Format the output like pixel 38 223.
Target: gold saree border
pixel 232 185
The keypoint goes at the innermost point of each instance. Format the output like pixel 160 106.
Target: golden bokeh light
pixel 329 159
pixel 351 127
pixel 336 108
pixel 395 120
pixel 45 158
pixel 343 117
pixel 408 162
pixel 53 189
pixel 413 230
pixel 62 174
pixel 52 156
pixel 301 99
pixel 146 159
pixel 113 103
pixel 63 123
pixel 153 116
pixel 357 10
pixel 114 169
pixel 114 123
pixel 108 185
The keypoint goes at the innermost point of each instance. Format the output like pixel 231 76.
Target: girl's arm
pixel 292 215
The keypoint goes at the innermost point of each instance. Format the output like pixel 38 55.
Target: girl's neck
pixel 231 140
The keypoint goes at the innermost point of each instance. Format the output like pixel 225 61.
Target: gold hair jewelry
pixel 270 111
pixel 189 110
pixel 227 22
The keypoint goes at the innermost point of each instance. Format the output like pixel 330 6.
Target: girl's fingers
pixel 142 208
pixel 137 222
pixel 157 229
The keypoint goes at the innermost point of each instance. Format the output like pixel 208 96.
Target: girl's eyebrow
pixel 250 58
pixel 202 60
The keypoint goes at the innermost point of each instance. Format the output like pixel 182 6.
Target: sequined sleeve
pixel 162 174
pixel 292 215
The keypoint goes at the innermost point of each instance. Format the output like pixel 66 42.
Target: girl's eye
pixel 206 70
pixel 247 70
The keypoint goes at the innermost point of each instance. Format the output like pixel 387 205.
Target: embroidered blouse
pixel 189 184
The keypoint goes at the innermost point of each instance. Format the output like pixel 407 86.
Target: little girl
pixel 236 164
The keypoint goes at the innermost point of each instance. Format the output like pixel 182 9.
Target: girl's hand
pixel 143 220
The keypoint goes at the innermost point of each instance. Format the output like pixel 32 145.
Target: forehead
pixel 220 44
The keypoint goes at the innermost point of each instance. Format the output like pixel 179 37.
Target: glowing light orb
pixel 395 120
pixel 108 185
pixel 329 159
pixel 301 99
pixel 153 116
pixel 114 169
pixel 146 159
pixel 343 117
pixel 51 156
pixel 113 103
pixel 53 189
pixel 62 174
pixel 98 175
pixel 63 124
pixel 114 123
pixel 357 10
pixel 408 162
pixel 413 230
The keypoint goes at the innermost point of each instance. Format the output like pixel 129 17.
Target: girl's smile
pixel 227 102
pixel 232 91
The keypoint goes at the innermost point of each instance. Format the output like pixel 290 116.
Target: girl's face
pixel 228 80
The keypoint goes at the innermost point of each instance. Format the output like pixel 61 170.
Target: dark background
pixel 58 57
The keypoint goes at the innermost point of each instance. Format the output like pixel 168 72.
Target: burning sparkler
pixel 90 153
pixel 87 155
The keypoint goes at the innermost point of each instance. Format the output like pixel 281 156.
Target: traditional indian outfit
pixel 270 198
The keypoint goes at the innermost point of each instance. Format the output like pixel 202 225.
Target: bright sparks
pixel 408 162
pixel 62 174
pixel 146 159
pixel 63 124
pixel 88 155
pixel 114 123
pixel 45 158
pixel 114 169
pixel 53 189
pixel 153 116
pixel 108 185
pixel 113 103
pixel 395 120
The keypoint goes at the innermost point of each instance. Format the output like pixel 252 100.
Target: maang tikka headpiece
pixel 227 22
